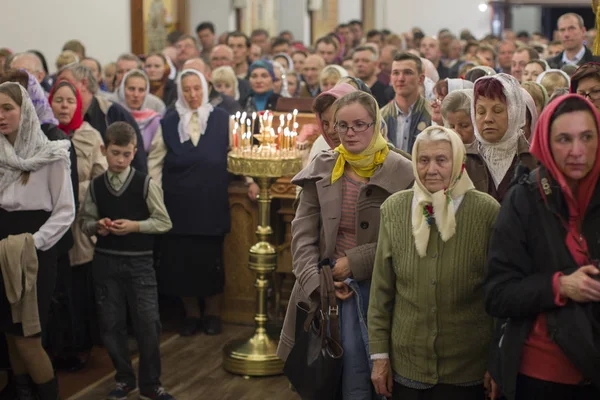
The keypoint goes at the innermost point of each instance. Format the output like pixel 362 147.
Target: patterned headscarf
pixel 32 150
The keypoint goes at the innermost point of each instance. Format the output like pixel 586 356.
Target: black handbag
pixel 314 365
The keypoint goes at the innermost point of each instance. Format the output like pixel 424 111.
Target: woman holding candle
pixel 262 97
pixel 338 219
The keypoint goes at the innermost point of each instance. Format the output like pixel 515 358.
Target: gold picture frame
pixel 153 20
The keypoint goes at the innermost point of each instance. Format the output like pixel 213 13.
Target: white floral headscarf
pixel 32 149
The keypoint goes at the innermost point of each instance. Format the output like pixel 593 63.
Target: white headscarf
pixel 32 149
pixel 530 104
pixel 458 84
pixel 499 156
pixel 563 73
pixel 284 86
pixel 121 90
pixel 184 110
pixel 444 203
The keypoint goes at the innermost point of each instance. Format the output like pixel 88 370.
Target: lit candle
pixel 295 115
pixel 279 138
pixel 289 119
pixel 253 121
pixel 235 137
pixel 248 127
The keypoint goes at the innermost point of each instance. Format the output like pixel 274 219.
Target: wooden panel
pixel 325 20
pixel 137 26
pixel 239 303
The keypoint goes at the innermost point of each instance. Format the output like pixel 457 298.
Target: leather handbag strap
pixel 330 306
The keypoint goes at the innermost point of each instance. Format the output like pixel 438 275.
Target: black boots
pixel 24 387
pixel 48 390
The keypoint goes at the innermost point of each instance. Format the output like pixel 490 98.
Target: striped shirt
pixel 346 237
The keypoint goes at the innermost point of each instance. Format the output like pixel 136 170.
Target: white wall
pixel 349 10
pixel 433 15
pixel 527 18
pixel 104 27
pixel 219 12
pixel 293 17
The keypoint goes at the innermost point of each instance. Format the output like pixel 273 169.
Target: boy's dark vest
pixel 129 202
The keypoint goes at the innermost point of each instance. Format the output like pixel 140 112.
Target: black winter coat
pixel 524 255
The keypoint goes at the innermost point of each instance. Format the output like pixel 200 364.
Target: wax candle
pixel 253 121
pixel 295 115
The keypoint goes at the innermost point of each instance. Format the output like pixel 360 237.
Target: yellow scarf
pixel 366 162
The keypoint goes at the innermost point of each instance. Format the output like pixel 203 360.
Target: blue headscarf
pixel 262 64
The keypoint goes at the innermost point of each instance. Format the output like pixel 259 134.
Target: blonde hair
pixel 332 73
pixel 536 93
pixel 226 75
pixel 65 58
pixel 554 80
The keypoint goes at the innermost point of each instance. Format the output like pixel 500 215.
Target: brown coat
pixel 315 227
pixel 90 164
pixel 479 174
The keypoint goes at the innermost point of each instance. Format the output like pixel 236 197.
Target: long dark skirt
pixel 438 392
pixel 191 266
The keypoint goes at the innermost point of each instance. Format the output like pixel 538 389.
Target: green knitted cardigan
pixel 428 313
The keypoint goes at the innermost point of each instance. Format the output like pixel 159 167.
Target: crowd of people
pixel 451 183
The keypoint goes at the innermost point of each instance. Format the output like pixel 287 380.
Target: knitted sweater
pixel 428 313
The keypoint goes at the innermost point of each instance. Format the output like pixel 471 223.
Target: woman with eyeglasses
pixel 338 219
pixel 586 82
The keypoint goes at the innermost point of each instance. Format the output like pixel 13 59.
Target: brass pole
pixel 256 355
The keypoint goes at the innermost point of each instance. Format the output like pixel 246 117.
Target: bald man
pixel 30 63
pixel 222 56
pixel 430 49
pixel 313 65
pixel 217 99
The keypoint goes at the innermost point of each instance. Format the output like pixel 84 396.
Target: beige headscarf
pixel 442 205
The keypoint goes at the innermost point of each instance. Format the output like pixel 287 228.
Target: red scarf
pixel 77 119
pixel 540 148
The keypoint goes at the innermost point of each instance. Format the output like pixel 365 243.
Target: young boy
pixel 123 208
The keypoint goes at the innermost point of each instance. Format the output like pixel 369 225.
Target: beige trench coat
pixel 90 164
pixel 315 227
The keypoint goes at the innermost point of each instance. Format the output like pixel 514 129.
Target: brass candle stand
pixel 256 356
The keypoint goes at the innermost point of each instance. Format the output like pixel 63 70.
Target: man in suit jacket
pixel 572 35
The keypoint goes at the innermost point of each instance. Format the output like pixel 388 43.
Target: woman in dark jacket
pixel 498 114
pixel 262 97
pixel 542 279
pixel 195 182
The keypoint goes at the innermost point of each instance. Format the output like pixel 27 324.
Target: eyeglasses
pixel 359 127
pixel 592 94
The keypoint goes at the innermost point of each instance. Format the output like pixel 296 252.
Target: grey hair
pixel 36 60
pixel 131 57
pixel 433 134
pixel 81 72
pixel 369 49
pixel 458 100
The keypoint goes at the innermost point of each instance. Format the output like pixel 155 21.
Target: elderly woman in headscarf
pixel 338 220
pixel 498 115
pixel 441 89
pixel 456 114
pixel 262 96
pixel 429 335
pixel 36 209
pixel 158 70
pixel 280 85
pixel 66 104
pixel 543 264
pixel 195 182
pixel 132 95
